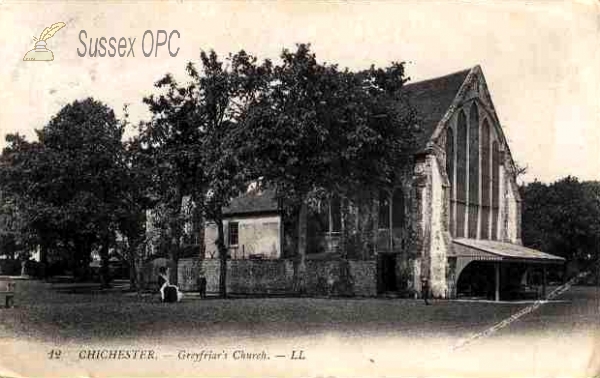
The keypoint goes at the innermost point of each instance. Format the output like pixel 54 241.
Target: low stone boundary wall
pixel 334 277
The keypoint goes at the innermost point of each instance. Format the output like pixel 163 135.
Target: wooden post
pixel 544 281
pixel 497 282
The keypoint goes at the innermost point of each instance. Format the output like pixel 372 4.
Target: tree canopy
pixel 315 126
pixel 314 129
pixel 67 183
pixel 189 143
pixel 302 127
pixel 563 218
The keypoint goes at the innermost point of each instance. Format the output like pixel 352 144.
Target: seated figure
pixel 168 293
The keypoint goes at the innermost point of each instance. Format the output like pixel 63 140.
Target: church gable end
pixel 478 170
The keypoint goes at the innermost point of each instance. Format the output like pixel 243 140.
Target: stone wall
pixel 512 214
pixel 364 274
pixel 438 247
pixel 264 277
pixel 187 273
pixel 341 277
pixel 432 239
pixel 405 273
pixel 150 272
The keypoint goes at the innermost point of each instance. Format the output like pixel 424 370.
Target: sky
pixel 540 60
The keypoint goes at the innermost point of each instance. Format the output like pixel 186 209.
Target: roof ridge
pixel 461 72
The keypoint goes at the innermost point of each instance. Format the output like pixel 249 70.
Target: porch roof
pixel 498 251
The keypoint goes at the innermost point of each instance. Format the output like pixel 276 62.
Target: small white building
pixel 252 226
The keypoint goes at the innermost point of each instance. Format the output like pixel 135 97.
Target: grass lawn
pixel 340 337
pixel 42 312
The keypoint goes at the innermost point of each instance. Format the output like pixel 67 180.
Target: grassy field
pixel 341 337
pixel 65 312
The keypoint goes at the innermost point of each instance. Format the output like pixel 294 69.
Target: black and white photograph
pixel 300 188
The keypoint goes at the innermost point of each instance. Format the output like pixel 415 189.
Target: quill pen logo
pixel 40 52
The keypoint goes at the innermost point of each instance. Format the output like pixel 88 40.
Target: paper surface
pixel 542 64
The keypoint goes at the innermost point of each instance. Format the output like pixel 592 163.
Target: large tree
pixel 168 148
pixel 68 181
pixel 318 129
pixel 190 143
pixel 134 201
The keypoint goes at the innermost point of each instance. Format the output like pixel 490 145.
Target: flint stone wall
pixel 265 277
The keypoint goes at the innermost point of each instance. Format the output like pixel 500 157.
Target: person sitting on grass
pixel 168 293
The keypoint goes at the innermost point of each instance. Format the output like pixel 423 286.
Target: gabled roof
pixel 253 203
pixel 437 99
pixel 432 99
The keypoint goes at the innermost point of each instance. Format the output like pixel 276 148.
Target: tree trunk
pixel 222 259
pixel 300 272
pixel 43 261
pixel 104 259
pixel 173 258
pixel 133 278
pixel 176 230
pixel 139 263
pixel 81 253
pixel 139 273
pixel 198 225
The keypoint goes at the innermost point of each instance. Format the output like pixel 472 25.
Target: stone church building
pixel 452 222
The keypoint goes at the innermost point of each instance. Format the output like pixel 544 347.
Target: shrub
pixel 10 267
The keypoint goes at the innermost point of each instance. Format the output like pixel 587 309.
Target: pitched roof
pixel 253 203
pixel 432 98
pixel 500 251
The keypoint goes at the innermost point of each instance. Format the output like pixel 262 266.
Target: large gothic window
pixel 495 189
pixel 486 180
pixel 473 170
pixel 461 173
pixel 473 163
pixel 450 173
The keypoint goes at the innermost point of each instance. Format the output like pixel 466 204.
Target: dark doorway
pixel 386 273
pixel 476 281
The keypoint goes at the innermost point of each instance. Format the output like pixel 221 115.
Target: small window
pixel 233 233
pixel 384 210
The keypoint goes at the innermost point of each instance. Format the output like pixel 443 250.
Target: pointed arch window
pixel 486 180
pixel 495 188
pixel 450 173
pixel 473 164
pixel 473 171
pixel 461 173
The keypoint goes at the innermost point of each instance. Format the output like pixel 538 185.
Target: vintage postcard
pixel 299 189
